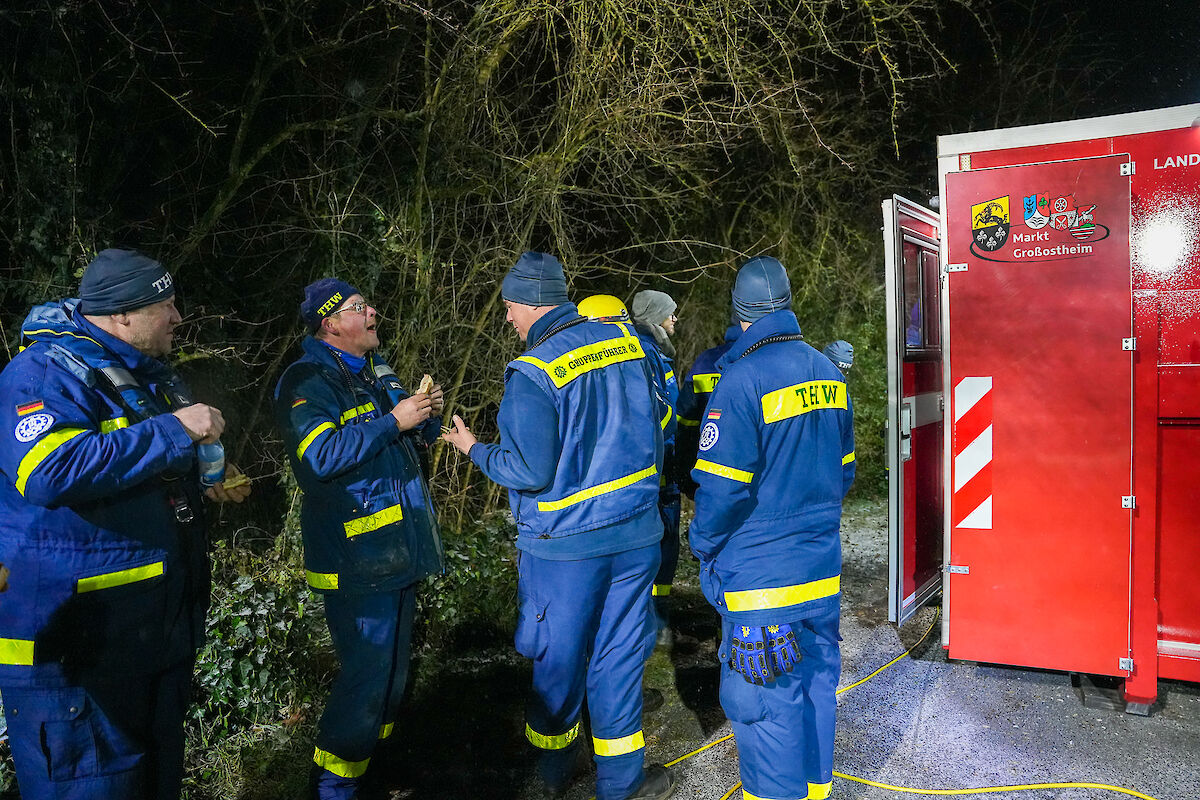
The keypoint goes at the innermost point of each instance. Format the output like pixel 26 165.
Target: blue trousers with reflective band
pixel 588 626
pixel 108 739
pixel 784 730
pixel 669 559
pixel 372 635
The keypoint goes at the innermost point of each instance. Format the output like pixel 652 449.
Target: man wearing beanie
pixel 355 438
pixel 654 320
pixel 102 529
pixel 580 452
pixel 776 457
pixel 841 353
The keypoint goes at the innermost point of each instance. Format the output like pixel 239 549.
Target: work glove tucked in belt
pixel 760 654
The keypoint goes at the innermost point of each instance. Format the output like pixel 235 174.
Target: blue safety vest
pixel 776 457
pixel 100 510
pixel 366 516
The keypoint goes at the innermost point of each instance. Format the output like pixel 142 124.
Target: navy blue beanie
pixel 536 279
pixel 841 353
pixel 761 287
pixel 322 298
pixel 117 281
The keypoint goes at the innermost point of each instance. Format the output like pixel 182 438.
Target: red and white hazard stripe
pixel 972 503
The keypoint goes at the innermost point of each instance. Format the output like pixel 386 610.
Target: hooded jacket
pixel 108 579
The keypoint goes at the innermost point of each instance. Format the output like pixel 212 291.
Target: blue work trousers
pixel 668 510
pixel 372 635
pixel 102 740
pixel 784 730
pixel 588 626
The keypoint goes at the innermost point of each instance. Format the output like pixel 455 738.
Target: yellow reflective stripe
pixel 16 652
pixel 819 791
pixel 689 423
pixel 40 451
pixel 354 412
pixel 574 363
pixel 544 742
pixel 317 431
pixel 340 766
pixel 792 401
pixel 386 730
pixel 322 580
pixel 724 471
pixel 846 459
pixel 373 522
pixel 114 424
pixel 660 589
pixel 747 796
pixel 666 420
pixel 758 599
pixel 119 578
pixel 705 382
pixel 619 747
pixel 670 374
pixel 596 491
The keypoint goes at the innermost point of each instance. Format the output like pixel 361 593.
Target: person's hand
pixel 412 411
pixel 202 422
pixel 234 489
pixel 439 402
pixel 3 578
pixel 459 436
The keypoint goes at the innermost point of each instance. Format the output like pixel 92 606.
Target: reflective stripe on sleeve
pixel 40 451
pixel 846 459
pixel 308 440
pixel 373 522
pixel 114 424
pixel 666 420
pixel 544 742
pixel 119 578
pixel 792 401
pixel 386 730
pixel 596 491
pixel 322 580
pixel 16 652
pixel 354 412
pixel 340 766
pixel 705 382
pixel 758 599
pixel 619 747
pixel 688 423
pixel 724 471
pixel 660 589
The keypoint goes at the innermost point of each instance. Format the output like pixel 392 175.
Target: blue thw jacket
pixel 106 580
pixel 776 458
pixel 580 443
pixel 694 392
pixel 367 517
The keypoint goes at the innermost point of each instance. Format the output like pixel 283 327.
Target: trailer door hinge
pixel 1129 344
pixel 1129 168
pixel 956 268
pixel 954 569
pixel 1129 501
pixel 1125 664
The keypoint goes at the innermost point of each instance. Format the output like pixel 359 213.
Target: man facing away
pixel 353 436
pixel 776 457
pixel 580 452
pixel 102 530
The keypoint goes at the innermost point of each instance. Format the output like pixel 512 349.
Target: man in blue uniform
pixel 580 452
pixel 102 530
pixel 694 392
pixel 354 437
pixel 776 458
pixel 654 320
pixel 841 353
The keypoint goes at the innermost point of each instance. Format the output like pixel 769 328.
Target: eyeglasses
pixel 358 307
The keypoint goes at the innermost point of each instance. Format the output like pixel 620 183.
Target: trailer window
pixel 922 303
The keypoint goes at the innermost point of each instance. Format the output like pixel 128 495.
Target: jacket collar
pixel 62 324
pixel 733 332
pixel 773 324
pixel 560 313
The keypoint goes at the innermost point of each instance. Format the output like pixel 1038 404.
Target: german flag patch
pixel 29 408
pixel 714 414
pixel 299 402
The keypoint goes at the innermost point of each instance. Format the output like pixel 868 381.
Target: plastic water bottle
pixel 212 463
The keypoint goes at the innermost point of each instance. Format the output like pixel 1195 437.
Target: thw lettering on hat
pixel 330 304
pixel 164 283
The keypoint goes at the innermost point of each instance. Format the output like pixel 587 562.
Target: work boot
pixel 658 784
pixel 652 700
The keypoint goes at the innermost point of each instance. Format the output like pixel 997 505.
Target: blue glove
pixel 783 651
pixel 748 654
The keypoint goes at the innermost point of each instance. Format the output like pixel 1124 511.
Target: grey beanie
pixel 652 308
pixel 761 287
pixel 536 279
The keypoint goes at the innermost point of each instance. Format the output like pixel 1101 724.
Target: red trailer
pixel 1044 398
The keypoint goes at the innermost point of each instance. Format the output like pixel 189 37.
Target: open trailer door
pixel 1040 372
pixel 915 406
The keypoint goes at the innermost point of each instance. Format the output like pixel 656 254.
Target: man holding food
pixel 355 438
